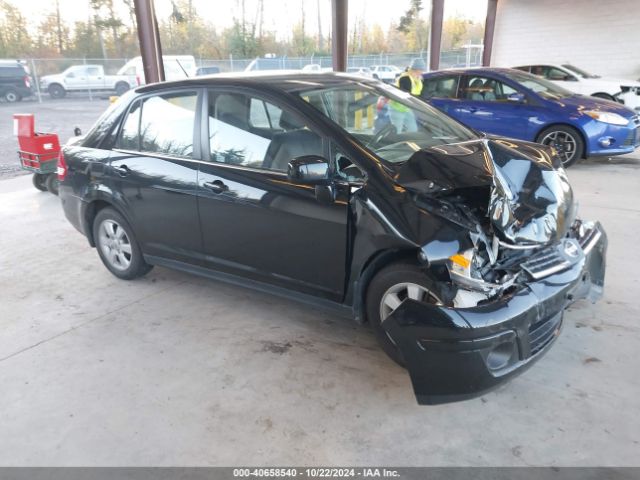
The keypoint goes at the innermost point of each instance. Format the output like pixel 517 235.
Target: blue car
pixel 511 103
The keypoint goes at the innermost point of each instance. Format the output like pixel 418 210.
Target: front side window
pixel 486 89
pixel 556 74
pixel 249 131
pixel 542 87
pixel 166 124
pixel 389 122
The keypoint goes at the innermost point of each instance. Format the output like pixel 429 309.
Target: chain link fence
pixel 42 67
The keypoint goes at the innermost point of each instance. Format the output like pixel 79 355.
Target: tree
pixel 414 27
pixel 14 37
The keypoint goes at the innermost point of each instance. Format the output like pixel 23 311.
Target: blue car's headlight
pixel 607 117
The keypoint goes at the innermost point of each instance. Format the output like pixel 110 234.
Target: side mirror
pixel 309 169
pixel 77 132
pixel 516 97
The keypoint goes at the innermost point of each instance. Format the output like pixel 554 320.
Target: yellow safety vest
pixel 416 90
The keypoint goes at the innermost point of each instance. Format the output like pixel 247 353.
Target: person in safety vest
pixel 410 81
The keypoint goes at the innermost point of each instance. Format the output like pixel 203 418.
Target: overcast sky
pixel 279 15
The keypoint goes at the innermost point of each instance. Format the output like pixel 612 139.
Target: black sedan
pixel 461 251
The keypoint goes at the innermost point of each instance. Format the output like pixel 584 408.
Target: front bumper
pixel 458 353
pixel 606 139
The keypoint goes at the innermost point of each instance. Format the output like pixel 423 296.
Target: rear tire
pixel 117 245
pixel 12 96
pixel 52 183
pixel 56 91
pixel 40 181
pixel 566 140
pixel 388 288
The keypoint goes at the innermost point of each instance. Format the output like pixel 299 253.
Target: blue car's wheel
pixel 566 140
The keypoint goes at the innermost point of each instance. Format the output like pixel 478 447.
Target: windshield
pixel 387 121
pixel 579 71
pixel 542 87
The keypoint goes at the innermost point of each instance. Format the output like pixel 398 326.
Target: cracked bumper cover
pixel 455 354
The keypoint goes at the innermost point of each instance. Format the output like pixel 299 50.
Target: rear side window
pixel 161 124
pixel 440 87
pixel 129 135
pixel 12 72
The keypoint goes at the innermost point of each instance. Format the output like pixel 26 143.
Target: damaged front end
pixel 522 258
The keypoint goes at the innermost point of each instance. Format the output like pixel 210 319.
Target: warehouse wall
pixel 600 36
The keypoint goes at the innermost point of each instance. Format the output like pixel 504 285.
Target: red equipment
pixel 38 152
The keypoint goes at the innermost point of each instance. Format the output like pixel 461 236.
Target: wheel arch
pixel 569 125
pixel 603 95
pixel 376 262
pixel 90 212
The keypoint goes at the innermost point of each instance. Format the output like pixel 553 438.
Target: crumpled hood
pixel 528 202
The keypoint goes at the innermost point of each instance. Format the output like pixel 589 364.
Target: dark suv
pixel 15 83
pixel 461 251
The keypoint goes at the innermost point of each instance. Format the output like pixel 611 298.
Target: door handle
pixel 217 186
pixel 122 170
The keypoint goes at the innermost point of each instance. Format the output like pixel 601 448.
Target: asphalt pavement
pixel 51 116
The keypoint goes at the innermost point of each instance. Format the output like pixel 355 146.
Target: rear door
pixel 255 221
pixel 153 172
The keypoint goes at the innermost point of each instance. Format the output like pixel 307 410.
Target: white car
pixel 386 73
pixel 176 67
pixel 361 71
pixel 82 78
pixel 312 67
pixel 577 80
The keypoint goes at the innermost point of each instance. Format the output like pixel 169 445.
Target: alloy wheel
pixel 564 143
pixel 115 244
pixel 396 294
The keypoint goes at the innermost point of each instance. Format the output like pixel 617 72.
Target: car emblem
pixel 571 249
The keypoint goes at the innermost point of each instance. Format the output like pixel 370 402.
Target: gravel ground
pixel 57 116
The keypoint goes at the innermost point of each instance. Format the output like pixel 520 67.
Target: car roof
pixel 285 80
pixel 473 71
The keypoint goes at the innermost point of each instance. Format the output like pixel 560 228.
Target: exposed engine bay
pixel 519 212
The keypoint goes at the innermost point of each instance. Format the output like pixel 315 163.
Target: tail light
pixel 138 79
pixel 27 82
pixel 62 166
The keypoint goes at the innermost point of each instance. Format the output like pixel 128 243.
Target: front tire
pixel 117 245
pixel 56 91
pixel 388 289
pixel 566 140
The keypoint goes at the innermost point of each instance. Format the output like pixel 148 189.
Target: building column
pixel 489 27
pixel 339 22
pixel 437 12
pixel 149 38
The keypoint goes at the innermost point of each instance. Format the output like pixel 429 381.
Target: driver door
pixel 76 79
pixel 255 221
